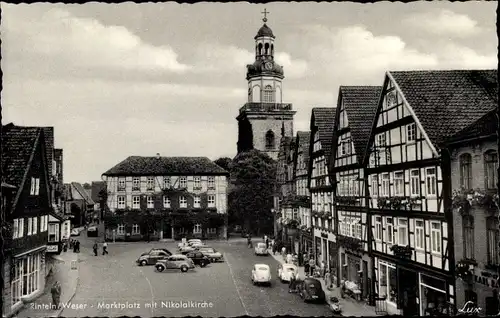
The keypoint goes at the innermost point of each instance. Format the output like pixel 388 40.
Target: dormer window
pixel 35 186
pixel 268 94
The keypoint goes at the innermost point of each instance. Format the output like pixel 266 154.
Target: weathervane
pixel 265 15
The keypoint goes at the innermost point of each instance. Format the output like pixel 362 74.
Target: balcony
pixel 265 107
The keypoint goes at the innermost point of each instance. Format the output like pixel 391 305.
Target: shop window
pixel 388 282
pixel 433 293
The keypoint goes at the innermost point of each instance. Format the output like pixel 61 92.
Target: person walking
pixel 95 247
pixel 306 265
pixel 78 246
pixel 56 295
pixel 283 252
pixel 292 285
pixel 312 265
pixel 266 239
pixel 105 248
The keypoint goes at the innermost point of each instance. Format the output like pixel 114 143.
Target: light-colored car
pixel 261 249
pixel 261 274
pixel 212 254
pixel 193 241
pixel 285 272
pixel 75 232
pixel 185 249
pixel 177 261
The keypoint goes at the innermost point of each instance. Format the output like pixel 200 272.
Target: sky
pixel 116 80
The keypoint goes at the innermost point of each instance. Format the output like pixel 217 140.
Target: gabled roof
pixel 161 166
pixel 83 193
pixel 360 104
pixel 323 118
pixel 446 102
pixel 97 186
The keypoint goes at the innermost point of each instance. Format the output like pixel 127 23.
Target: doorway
pixel 408 282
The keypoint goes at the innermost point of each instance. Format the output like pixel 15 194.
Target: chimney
pixel 158 155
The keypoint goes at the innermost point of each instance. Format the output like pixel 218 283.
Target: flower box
pixel 403 252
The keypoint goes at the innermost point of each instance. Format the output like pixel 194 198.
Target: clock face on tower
pixel 268 66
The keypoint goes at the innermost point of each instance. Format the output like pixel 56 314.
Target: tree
pixel 224 163
pixel 87 186
pixel 251 199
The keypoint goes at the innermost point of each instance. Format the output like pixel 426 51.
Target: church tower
pixel 264 119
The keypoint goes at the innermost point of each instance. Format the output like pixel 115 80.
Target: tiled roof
pixel 159 166
pixel 446 102
pixel 323 118
pixel 97 186
pixel 304 138
pixel 485 126
pixel 83 193
pixel 360 103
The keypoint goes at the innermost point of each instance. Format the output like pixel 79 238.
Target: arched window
pixel 490 169
pixel 267 48
pixel 260 48
pixel 268 94
pixel 466 171
pixel 270 140
pixel 468 236
pixel 492 240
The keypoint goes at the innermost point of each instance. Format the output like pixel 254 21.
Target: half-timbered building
pixel 409 185
pixel 356 107
pixel 320 187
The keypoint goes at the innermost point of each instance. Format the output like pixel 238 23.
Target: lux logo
pixel 470 308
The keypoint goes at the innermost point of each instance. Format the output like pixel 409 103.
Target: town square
pixel 239 159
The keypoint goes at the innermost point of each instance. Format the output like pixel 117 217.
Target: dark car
pixel 198 258
pixel 310 289
pixel 153 256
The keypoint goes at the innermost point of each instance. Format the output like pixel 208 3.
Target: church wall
pixel 261 126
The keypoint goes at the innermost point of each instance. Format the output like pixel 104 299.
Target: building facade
pixel 166 198
pixel 25 169
pixel 265 117
pixel 283 217
pixel 356 108
pixel 320 187
pixel 409 185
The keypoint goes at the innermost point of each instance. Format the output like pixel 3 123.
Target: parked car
pixel 75 232
pixel 285 272
pixel 261 249
pixel 193 241
pixel 211 253
pixel 177 261
pixel 261 274
pixel 152 257
pixel 310 289
pixel 185 249
pixel 198 258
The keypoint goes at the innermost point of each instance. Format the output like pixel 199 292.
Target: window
pixel 121 229
pixel 53 232
pixel 270 142
pixel 25 277
pixel 346 147
pixel 403 232
pixel 268 94
pixel 436 237
pixel 121 184
pixel 492 240
pixel 431 181
pixel 212 230
pixel 183 182
pixel 150 183
pixel 374 188
pixel 121 202
pixel 468 236
pixel 150 202
pixel 419 234
pixel 399 184
pixel 30 226
pixel 197 182
pixel 211 201
pixel 381 142
pixel 211 182
pixel 166 182
pixel 136 202
pixel 35 186
pixel 387 282
pixel 136 184
pixel 414 182
pixel 182 202
pixel 385 185
pixel 465 171
pixel 197 228
pixel 197 201
pixel 166 202
pixel 15 229
pixel 20 228
pixel 389 231
pixel 490 169
pixel 136 229
pixel 378 228
pixel 35 225
pixel 411 133
pixel 358 231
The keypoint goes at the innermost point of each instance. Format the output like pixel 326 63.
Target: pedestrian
pixel 56 295
pixel 266 239
pixel 77 246
pixel 291 286
pixel 312 265
pixel 105 248
pixel 306 266
pixel 289 258
pixel 295 260
pixel 283 252
pixel 74 247
pixel 328 280
pixel 95 247
pixel 322 268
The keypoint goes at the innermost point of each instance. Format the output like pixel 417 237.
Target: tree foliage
pixel 224 163
pixel 251 199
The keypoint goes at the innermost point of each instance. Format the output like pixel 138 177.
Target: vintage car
pixel 75 232
pixel 310 290
pixel 261 274
pixel 152 257
pixel 211 253
pixel 285 271
pixel 194 241
pixel 198 258
pixel 177 262
pixel 261 249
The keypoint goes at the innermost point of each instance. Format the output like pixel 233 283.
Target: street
pixel 113 285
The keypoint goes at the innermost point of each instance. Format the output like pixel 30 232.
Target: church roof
pixel 265 31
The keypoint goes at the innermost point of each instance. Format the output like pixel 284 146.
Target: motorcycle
pixel 335 306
